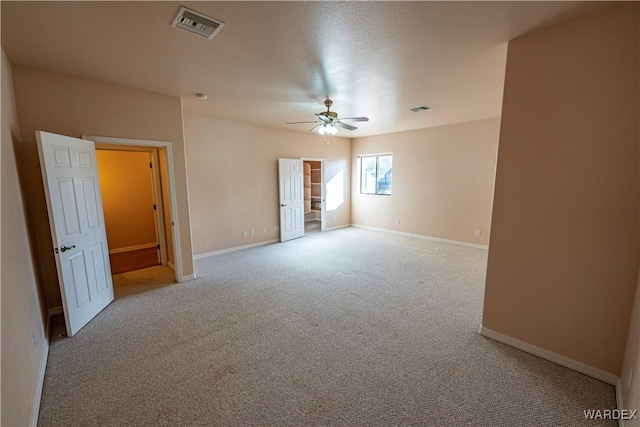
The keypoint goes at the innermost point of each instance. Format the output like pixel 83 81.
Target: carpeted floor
pixel 349 327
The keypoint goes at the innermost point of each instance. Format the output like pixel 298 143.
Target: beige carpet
pixel 349 327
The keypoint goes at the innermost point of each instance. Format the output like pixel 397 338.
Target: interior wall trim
pixel 422 236
pixel 235 248
pixel 35 411
pixel 621 422
pixel 54 311
pixel 132 248
pixel 337 227
pixel 567 362
pixel 173 201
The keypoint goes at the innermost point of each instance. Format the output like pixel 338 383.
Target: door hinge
pixel 55 250
pixel 154 207
pixel 151 165
pixel 158 247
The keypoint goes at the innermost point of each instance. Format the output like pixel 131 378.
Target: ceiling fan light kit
pixel 327 129
pixel 328 121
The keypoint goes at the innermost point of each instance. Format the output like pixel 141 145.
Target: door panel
pixel 78 278
pixel 89 193
pixel 62 157
pixel 69 207
pixel 84 159
pixel 97 257
pixel 76 220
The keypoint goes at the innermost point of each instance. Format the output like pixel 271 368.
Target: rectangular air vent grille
pixel 197 23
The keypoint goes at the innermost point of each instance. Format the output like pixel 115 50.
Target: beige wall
pixel 127 198
pixel 233 179
pixel 71 106
pixel 563 259
pixel 23 311
pixel 442 181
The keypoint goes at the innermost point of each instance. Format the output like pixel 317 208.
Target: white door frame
pixel 322 188
pixel 173 204
pixel 158 214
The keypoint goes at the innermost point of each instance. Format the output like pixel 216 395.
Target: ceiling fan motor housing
pixel 330 114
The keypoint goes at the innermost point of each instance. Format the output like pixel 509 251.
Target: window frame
pixel 377 182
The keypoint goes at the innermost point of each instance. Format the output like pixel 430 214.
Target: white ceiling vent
pixel 197 23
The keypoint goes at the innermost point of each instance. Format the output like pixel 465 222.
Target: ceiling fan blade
pixel 315 128
pixel 296 123
pixel 355 119
pixel 323 117
pixel 345 126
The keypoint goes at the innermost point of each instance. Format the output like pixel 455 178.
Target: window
pixel 375 174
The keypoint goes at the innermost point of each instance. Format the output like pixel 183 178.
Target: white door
pixel 70 178
pixel 291 199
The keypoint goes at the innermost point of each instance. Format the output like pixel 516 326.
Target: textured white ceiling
pixel 274 62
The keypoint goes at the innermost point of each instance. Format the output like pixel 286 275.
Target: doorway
pixel 132 203
pixel 77 221
pixel 166 203
pixel 313 181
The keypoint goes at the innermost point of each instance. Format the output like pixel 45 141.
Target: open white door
pixel 70 178
pixel 291 199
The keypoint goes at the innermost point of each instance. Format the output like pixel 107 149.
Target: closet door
pixel 291 199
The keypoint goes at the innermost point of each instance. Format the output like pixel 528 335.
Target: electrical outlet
pixel 244 234
pixel 264 230
pixel 276 228
pixel 630 377
pixel 478 232
pixel 397 221
pixel 35 338
pixel 252 232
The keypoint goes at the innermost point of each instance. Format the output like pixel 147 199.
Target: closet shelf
pixel 312 188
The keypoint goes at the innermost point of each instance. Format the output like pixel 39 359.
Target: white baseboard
pixel 187 278
pixel 337 227
pixel 254 245
pixel 132 248
pixel 171 266
pixel 422 236
pixel 567 362
pixel 54 311
pixel 235 248
pixel 619 401
pixel 35 411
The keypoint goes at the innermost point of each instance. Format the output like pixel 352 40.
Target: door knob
pixel 283 205
pixel 67 248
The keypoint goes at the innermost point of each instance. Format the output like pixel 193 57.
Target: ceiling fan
pixel 328 121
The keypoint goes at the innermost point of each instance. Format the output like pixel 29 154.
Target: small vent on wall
pixel 197 23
